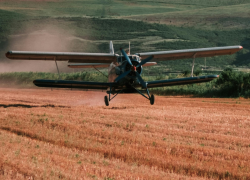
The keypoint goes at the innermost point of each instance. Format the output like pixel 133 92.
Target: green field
pixel 89 25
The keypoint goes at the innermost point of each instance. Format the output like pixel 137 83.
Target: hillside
pixel 89 25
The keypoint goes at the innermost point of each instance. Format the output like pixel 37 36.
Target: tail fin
pixel 111 48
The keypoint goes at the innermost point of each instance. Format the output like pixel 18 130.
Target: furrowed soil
pixel 64 134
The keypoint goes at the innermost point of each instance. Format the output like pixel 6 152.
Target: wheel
pixel 152 99
pixel 106 100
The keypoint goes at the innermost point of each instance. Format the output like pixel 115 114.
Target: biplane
pixel 124 71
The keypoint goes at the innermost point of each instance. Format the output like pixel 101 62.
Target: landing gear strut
pixel 108 98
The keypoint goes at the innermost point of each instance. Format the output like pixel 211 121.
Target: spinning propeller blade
pixel 145 61
pixel 126 56
pixel 133 68
pixel 144 85
pixel 122 76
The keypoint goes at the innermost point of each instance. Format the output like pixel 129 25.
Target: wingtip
pixel 7 54
pixel 35 82
pixel 241 47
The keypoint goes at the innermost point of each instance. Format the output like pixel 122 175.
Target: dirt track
pixel 72 135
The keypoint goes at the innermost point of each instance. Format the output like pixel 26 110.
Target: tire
pixel 152 99
pixel 106 100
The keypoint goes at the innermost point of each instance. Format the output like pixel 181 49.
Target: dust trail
pixel 49 38
pixel 93 98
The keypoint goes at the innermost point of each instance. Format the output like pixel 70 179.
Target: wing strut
pixel 100 71
pixel 57 68
pixel 192 73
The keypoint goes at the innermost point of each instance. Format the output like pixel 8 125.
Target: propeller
pixel 145 61
pixel 126 56
pixel 144 85
pixel 133 68
pixel 122 76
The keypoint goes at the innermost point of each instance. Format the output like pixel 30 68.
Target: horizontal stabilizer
pixel 181 81
pixel 72 84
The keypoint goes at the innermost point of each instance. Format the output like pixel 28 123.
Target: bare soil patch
pixel 64 134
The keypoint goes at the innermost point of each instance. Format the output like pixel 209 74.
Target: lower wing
pixel 181 81
pixel 105 86
pixel 73 84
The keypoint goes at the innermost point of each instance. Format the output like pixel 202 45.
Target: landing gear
pixel 152 99
pixel 106 100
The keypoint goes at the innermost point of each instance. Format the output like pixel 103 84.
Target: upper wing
pixel 190 53
pixel 181 81
pixel 101 65
pixel 62 56
pixel 73 84
pixel 89 65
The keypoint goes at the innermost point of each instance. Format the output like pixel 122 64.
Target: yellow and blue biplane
pixel 124 71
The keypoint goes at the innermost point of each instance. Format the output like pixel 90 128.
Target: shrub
pixel 186 73
pixel 231 82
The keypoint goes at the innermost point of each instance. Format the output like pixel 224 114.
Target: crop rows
pixel 183 137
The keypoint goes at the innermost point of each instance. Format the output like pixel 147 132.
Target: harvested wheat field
pixel 64 134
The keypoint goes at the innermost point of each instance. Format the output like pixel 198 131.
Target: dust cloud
pixel 49 38
pixel 94 98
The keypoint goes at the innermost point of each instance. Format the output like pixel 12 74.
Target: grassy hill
pixel 88 26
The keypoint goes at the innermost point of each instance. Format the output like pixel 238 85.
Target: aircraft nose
pixel 134 68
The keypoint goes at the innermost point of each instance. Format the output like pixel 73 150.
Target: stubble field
pixel 64 134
